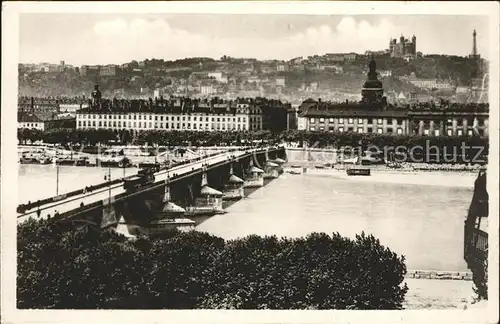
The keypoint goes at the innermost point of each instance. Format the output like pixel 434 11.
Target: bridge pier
pixel 233 190
pixel 255 177
pixel 208 202
pixel 270 168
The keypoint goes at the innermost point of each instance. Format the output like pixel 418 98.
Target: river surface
pixel 422 222
pixel 40 181
pixel 419 215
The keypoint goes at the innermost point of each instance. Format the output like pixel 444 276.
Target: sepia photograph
pixel 178 157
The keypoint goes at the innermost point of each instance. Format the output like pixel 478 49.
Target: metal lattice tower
pixel 474 45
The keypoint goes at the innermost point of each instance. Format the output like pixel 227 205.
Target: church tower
pixel 96 96
pixel 373 91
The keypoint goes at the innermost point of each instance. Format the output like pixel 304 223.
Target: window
pixel 341 120
pixel 469 132
pixel 360 129
pixel 360 120
pixel 370 121
pixel 321 120
pixel 331 128
pixel 460 132
pixel 399 131
pixel 311 120
pixel 399 121
pixel 350 120
pixel 449 132
pixel 436 132
pixel 341 129
pixel 321 128
pixel 370 130
pixel 426 132
pixel 389 121
pixel 312 128
pixel 380 130
pixel 449 122
pixel 379 121
pixel 331 120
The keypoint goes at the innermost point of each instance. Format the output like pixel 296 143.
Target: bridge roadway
pixel 103 194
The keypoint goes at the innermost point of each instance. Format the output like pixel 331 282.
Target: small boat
pixel 65 161
pixel 358 171
pixel 294 172
pixel 28 160
pixel 159 227
pixel 44 160
pixel 193 211
pixel 82 161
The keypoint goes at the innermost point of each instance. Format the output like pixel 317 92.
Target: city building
pixel 90 70
pixel 404 48
pixel 108 70
pixel 280 82
pixel 427 83
pixel 44 121
pixel 178 113
pixel 31 104
pixel 282 67
pixel 374 115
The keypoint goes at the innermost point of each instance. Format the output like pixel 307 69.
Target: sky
pixel 80 39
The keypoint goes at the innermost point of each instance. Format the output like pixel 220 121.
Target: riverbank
pixel 440 294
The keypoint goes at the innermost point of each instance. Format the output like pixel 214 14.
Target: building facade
pixel 44 121
pixel 180 113
pixel 141 121
pixel 373 115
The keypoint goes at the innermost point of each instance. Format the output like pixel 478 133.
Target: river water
pixel 419 215
pixel 424 222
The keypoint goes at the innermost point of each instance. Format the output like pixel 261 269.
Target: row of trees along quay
pixel 89 138
pixel 63 266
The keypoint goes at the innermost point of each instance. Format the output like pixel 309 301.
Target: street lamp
pixel 108 178
pixel 57 179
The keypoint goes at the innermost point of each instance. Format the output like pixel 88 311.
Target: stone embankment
pixel 439 275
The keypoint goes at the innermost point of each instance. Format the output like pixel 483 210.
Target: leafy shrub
pixel 63 267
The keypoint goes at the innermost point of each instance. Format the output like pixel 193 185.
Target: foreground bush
pixel 62 267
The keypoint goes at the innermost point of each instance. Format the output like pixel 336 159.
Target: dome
pixel 170 207
pixel 372 84
pixel 208 191
pixel 256 170
pixel 235 179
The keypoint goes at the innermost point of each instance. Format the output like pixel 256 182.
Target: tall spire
pixel 474 46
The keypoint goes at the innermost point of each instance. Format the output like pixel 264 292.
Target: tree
pixel 65 265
